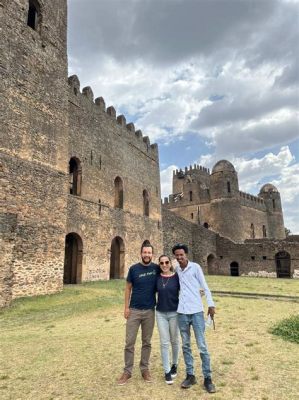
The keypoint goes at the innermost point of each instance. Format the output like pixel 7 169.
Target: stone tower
pixel 225 206
pixel 33 169
pixel 272 200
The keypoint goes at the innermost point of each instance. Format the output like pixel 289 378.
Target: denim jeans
pixel 169 335
pixel 198 323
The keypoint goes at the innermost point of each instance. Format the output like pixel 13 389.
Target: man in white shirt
pixel 191 312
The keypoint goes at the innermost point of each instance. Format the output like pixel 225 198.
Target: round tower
pixel 225 209
pixel 272 200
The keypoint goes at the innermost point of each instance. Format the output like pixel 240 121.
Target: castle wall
pixel 33 147
pixel 176 230
pixel 108 147
pixel 201 242
pixel 256 257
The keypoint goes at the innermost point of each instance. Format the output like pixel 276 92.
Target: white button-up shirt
pixel 191 281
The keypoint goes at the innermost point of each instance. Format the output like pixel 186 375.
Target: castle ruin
pixel 80 187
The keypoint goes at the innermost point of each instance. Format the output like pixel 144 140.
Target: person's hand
pixel 126 313
pixel 211 312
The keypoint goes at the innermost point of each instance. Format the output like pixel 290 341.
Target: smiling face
pixel 181 257
pixel 165 265
pixel 146 255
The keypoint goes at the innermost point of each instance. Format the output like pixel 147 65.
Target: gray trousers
pixel 145 318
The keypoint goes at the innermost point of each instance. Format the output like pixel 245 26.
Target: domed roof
pixel 223 165
pixel 268 187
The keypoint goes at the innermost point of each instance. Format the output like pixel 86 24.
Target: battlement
pixel 179 173
pixel 142 142
pixel 250 200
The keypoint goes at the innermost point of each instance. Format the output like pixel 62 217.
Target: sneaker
pixel 173 370
pixel 208 384
pixel 124 378
pixel 146 376
pixel 188 382
pixel 168 378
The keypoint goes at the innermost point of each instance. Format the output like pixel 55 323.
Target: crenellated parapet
pixel 85 99
pixel 181 173
pixel 252 201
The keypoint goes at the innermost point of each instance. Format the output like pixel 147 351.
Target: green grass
pixel 285 287
pixel 70 346
pixel 288 329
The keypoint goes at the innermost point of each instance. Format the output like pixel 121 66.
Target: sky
pixel 205 79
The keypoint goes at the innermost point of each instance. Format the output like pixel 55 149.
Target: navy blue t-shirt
pixel 168 293
pixel 143 279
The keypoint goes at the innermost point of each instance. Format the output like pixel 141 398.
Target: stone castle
pixel 80 187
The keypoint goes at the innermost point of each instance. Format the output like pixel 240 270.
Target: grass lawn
pixel 70 346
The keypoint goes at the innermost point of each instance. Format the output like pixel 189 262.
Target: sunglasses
pixel 164 262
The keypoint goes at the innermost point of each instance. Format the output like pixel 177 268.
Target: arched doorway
pixel 211 264
pixel 117 260
pixel 234 269
pixel 73 259
pixel 283 264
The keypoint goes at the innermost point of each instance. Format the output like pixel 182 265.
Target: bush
pixel 288 329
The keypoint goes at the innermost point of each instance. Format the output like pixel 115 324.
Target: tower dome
pixel 223 166
pixel 268 188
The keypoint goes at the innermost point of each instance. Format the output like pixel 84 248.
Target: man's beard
pixel 146 262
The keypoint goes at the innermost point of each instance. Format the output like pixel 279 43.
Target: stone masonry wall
pixel 107 147
pixel 33 146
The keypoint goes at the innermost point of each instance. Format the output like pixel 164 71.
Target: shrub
pixel 288 329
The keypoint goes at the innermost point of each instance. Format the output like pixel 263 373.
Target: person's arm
pixel 128 291
pixel 204 285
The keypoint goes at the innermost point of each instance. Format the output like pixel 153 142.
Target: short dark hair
pixel 180 246
pixel 147 243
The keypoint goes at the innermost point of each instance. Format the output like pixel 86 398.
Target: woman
pixel 166 315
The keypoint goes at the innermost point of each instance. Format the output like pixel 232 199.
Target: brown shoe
pixel 124 378
pixel 146 376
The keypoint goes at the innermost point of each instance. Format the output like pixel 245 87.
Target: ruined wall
pixel 176 230
pixel 33 146
pixel 215 253
pixel 107 147
pixel 255 257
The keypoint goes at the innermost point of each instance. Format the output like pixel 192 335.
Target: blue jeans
pixel 198 323
pixel 169 335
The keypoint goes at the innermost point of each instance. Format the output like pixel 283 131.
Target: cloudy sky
pixel 205 79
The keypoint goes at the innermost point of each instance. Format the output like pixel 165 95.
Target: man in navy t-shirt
pixel 140 301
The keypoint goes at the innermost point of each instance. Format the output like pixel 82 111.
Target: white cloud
pixel 166 180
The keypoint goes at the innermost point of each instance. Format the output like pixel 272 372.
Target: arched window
pixel 118 193
pixel 190 195
pixel 228 187
pixel 264 231
pixel 75 176
pixel 273 204
pixel 33 16
pixel 252 234
pixel 206 225
pixel 145 203
pixel 192 215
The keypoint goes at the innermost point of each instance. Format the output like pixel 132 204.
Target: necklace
pixel 164 283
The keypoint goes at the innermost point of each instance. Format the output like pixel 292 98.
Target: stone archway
pixel 234 269
pixel 211 264
pixel 73 259
pixel 283 264
pixel 117 260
